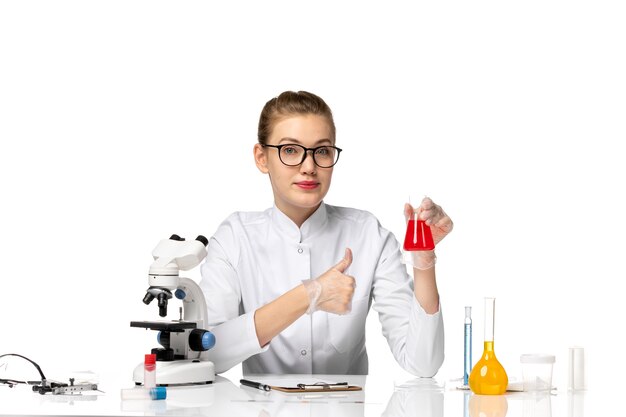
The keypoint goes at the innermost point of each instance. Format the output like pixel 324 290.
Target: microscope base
pixel 179 372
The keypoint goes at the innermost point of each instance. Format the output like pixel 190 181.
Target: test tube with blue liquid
pixel 467 354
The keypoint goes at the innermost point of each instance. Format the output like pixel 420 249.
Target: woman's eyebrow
pixel 294 140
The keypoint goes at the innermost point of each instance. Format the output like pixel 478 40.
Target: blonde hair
pixel 290 103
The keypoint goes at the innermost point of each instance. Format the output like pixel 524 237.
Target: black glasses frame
pixel 306 152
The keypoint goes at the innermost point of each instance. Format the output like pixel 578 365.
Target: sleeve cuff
pixel 235 341
pixel 425 342
pixel 252 336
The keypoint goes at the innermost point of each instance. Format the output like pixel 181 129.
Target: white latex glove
pixel 440 225
pixel 333 290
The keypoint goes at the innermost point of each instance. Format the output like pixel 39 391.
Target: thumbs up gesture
pixel 333 290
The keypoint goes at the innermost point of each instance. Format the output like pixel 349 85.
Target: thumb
pixel 345 262
pixel 408 212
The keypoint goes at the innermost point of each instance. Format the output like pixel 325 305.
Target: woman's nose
pixel 308 165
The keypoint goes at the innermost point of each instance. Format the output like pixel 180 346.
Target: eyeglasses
pixel 293 155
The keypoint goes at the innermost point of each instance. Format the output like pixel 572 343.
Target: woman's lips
pixel 308 185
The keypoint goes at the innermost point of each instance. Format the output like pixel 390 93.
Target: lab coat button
pixel 300 250
pixel 303 352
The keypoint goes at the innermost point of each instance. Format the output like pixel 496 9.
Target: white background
pixel 122 122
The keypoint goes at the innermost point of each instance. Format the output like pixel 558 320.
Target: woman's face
pixel 298 190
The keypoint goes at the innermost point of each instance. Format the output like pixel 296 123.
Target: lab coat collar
pixel 311 226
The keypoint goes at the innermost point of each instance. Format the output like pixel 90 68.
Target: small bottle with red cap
pixel 149 371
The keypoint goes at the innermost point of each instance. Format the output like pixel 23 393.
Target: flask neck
pixel 490 312
pixel 488 352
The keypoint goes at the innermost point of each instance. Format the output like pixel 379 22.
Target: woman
pixel 288 289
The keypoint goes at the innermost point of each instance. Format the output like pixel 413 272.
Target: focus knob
pixel 201 340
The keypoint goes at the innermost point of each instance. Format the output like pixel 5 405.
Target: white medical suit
pixel 255 257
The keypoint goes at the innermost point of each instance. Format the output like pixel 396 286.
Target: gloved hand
pixel 440 225
pixel 333 290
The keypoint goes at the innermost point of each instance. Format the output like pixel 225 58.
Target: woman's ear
pixel 260 158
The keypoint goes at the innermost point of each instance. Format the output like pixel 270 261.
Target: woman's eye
pixel 290 150
pixel 322 152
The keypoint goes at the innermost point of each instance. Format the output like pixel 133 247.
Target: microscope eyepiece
pixel 176 237
pixel 202 239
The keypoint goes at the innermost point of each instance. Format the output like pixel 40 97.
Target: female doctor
pixel 288 289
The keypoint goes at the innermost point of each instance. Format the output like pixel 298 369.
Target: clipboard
pixel 317 388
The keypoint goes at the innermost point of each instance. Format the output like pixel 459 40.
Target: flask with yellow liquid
pixel 488 376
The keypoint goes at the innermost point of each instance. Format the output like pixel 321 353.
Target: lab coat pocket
pixel 346 330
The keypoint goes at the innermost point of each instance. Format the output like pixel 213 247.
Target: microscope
pixel 183 356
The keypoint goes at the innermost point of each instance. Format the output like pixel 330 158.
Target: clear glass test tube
pixel 155 393
pixel 467 354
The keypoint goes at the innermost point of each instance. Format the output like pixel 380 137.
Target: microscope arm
pixel 194 304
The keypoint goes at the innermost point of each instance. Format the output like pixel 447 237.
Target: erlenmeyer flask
pixel 488 376
pixel 418 235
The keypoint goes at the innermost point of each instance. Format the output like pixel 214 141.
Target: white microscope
pixel 183 357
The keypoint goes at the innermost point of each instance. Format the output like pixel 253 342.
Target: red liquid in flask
pixel 418 236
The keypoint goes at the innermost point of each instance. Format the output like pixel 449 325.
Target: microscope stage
pixel 170 326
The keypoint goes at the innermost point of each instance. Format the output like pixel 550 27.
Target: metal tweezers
pixel 323 385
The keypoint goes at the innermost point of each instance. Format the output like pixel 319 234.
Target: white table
pixel 381 397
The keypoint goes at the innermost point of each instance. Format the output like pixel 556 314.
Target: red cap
pixel 150 359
